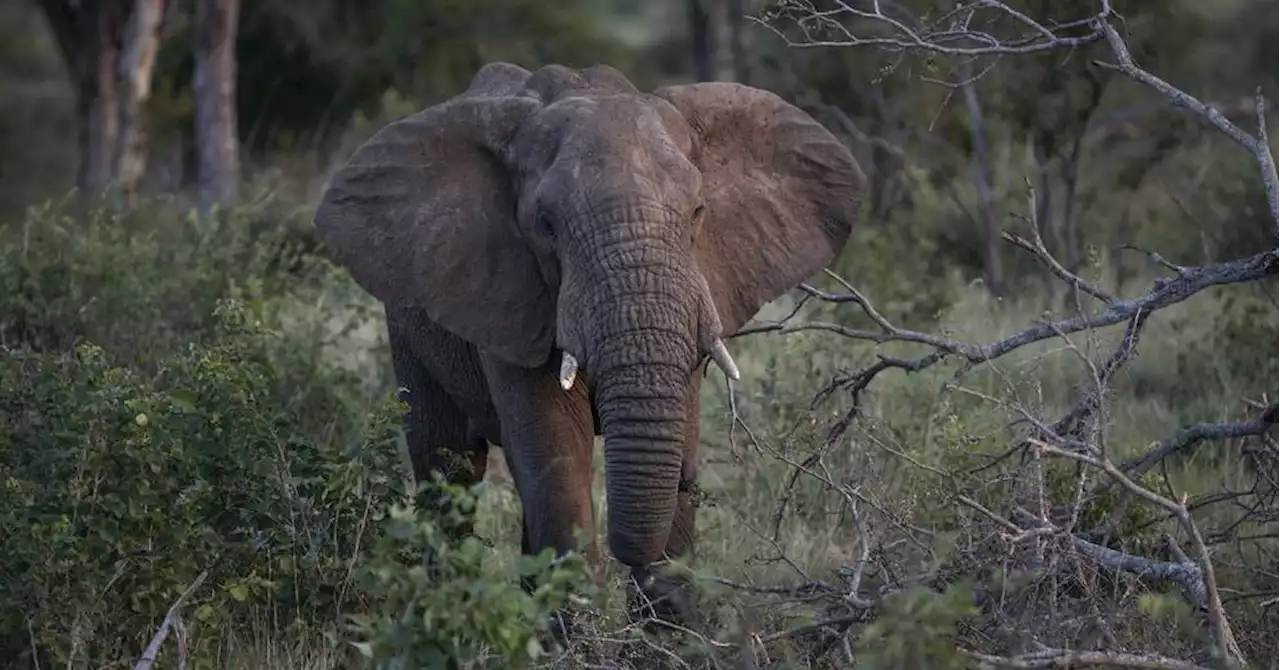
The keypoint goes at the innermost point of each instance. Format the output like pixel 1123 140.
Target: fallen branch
pixel 1228 647
pixel 171 620
pixel 1067 658
pixel 1184 573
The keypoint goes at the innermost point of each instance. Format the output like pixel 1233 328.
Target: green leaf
pixel 184 400
pixel 238 591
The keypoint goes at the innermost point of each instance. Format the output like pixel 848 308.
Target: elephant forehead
pixel 621 136
pixel 556 82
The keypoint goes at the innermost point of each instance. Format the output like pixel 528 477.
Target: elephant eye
pixel 699 212
pixel 545 223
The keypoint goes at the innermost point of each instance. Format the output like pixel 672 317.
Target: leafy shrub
pixel 139 283
pixel 917 629
pixel 451 612
pixel 144 441
pixel 119 489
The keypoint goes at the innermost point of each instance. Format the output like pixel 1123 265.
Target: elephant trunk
pixel 642 349
pixel 641 398
pixel 637 316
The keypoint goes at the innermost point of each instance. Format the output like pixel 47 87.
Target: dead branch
pixel 952 34
pixel 992 28
pixel 1199 432
pixel 1164 293
pixel 171 620
pixel 1184 573
pixel 1067 658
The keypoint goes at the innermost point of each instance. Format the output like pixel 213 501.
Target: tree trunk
pixel 142 40
pixel 215 93
pixel 88 37
pixel 109 49
pixel 97 104
pixel 703 35
pixel 992 270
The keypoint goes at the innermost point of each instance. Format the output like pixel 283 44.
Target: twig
pixel 810 21
pixel 1037 248
pixel 170 620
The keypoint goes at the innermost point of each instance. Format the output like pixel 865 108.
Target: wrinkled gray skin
pixel 563 211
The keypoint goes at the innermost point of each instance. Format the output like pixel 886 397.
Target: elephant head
pixel 565 213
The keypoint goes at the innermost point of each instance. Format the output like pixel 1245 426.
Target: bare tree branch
pixel 1067 658
pixel 1199 432
pixel 952 34
pixel 1164 293
pixel 171 620
pixel 1258 146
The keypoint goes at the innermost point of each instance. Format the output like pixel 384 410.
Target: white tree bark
pixel 141 41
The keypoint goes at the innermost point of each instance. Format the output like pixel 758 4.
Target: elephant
pixel 559 255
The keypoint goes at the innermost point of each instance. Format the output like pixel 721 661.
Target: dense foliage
pixel 163 414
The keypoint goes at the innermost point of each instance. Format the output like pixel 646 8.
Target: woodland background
pixel 197 432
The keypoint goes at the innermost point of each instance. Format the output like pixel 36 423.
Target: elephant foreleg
pixel 547 440
pixel 437 435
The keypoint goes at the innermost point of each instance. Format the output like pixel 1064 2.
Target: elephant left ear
pixel 781 193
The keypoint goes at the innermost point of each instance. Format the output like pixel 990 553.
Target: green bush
pixel 141 282
pixel 179 397
pixel 450 612
pixel 118 489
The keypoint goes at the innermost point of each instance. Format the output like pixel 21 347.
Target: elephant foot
pixel 664 598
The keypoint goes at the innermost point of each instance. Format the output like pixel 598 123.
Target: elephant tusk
pixel 721 356
pixel 568 371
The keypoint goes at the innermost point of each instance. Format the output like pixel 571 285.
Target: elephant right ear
pixel 423 215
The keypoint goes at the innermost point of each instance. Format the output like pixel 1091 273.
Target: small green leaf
pixel 239 592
